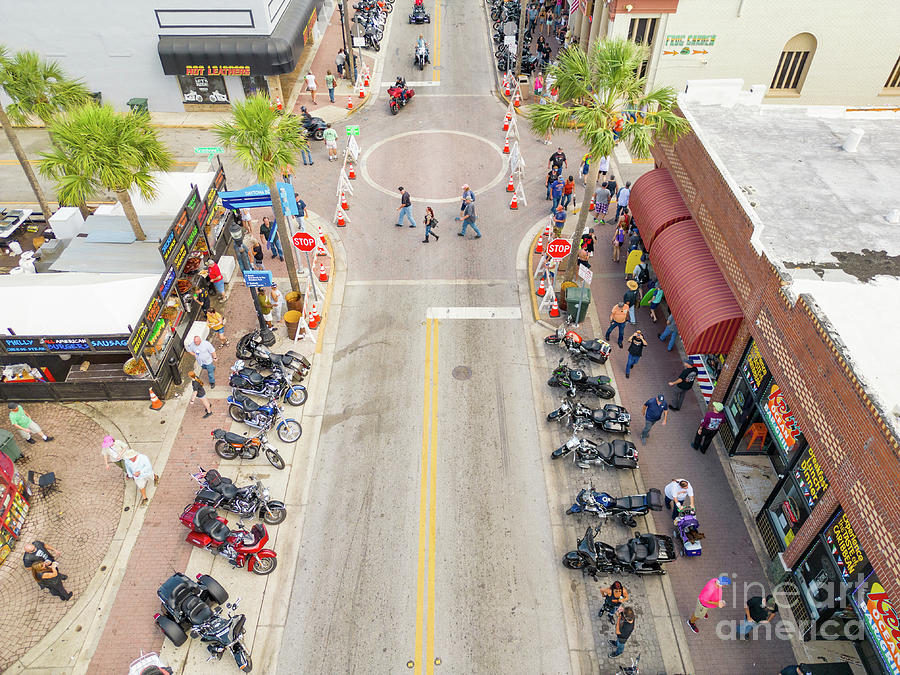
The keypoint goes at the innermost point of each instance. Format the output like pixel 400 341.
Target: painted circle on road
pixel 435 164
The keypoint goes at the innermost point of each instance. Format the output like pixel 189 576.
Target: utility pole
pixel 347 38
pixel 521 37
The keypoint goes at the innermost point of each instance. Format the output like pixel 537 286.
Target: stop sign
pixel 559 248
pixel 303 241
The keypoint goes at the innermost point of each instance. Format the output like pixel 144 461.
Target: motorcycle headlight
pixel 265 493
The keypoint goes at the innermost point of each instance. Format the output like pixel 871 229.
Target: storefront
pixel 14 505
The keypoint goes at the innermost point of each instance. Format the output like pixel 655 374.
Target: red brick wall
pixel 857 450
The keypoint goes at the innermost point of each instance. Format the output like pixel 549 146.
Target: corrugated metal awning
pixel 656 203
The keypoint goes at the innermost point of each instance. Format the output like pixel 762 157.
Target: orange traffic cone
pixel 517 101
pixel 362 92
pixel 554 308
pixel 592 206
pixel 352 174
pixel 547 231
pixel 340 221
pixel 514 204
pixel 313 321
pixel 506 146
pixel 540 245
pixel 506 91
pixel 344 204
pixel 349 103
pixel 542 289
pixel 508 116
pixel 155 403
pixel 506 124
pixel 366 80
pixel 323 275
pixel 509 186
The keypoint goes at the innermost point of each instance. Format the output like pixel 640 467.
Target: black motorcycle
pixel 594 350
pixel 612 418
pixel 315 126
pixel 251 349
pixel 620 454
pixel 604 505
pixel 579 381
pixel 187 611
pixel 230 446
pixel 643 554
pixel 249 501
pixel 274 386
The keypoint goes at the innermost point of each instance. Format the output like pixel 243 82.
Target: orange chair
pixel 758 433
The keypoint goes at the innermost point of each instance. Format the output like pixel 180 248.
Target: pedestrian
pixel 618 317
pixel 611 184
pixel 258 254
pixel 301 210
pixel 569 193
pixel 709 427
pixel 618 240
pixel 47 575
pixel 538 85
pixel 613 598
pixel 655 409
pixel 269 232
pixel 38 551
pixel 585 167
pixel 139 469
pixel 305 153
pixel 604 166
pixel 279 304
pixel 558 160
pixel 624 629
pixel 631 298
pixel 405 208
pixel 532 16
pixel 469 219
pixel 330 136
pixel 634 237
pixel 430 223
pixel 542 22
pixel 559 220
pixel 24 424
pixel 683 384
pixel 466 194
pixel 557 10
pixel 556 191
pixel 340 62
pixel 113 452
pixel 549 26
pixel 551 178
pixel 311 85
pixel 329 84
pixel 677 492
pixel 601 202
pixel 710 597
pixel 587 241
pixel 265 306
pixel 215 277
pixel 622 197
pixel 201 295
pixel 757 611
pixel 206 356
pixel 641 271
pixel 199 393
pixel 216 323
pixel 287 174
pixel 584 258
pixel 247 221
pixel 655 299
pixel 636 344
pixel 670 332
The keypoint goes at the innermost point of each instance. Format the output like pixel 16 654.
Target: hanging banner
pixel 754 368
pixel 846 550
pixel 258 195
pixel 811 478
pixel 781 419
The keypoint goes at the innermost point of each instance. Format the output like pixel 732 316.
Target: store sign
pixel 138 337
pixel 67 344
pixel 258 278
pixel 217 71
pixel 111 344
pixel 781 420
pixel 176 232
pixel 845 549
pixel 881 622
pixel 754 368
pixel 811 478
pixel 688 45
pixel 22 345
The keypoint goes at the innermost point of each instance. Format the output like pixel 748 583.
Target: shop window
pixel 208 89
pixel 793 65
pixel 255 84
pixel 788 510
pixel 893 82
pixel 642 32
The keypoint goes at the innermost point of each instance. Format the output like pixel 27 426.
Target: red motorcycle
pixel 240 547
pixel 400 95
pixel 596 351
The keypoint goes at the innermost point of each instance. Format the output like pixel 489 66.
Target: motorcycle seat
pixel 196 611
pixel 646 548
pixel 623 448
pixel 208 496
pixel 206 522
pixel 614 409
pixel 605 450
pixel 625 553
pixel 253 376
pixel 599 416
pixel 177 594
pixel 233 439
pixel 248 404
pixel 631 502
pixel 592 345
pixel 228 490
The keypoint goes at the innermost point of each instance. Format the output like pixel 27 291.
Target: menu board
pixel 754 368
pixel 64 344
pixel 176 233
pixel 17 345
pixel 811 478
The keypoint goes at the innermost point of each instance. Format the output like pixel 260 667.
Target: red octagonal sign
pixel 303 241
pixel 559 248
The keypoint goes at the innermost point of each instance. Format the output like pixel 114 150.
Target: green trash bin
pixel 8 445
pixel 577 301
pixel 138 105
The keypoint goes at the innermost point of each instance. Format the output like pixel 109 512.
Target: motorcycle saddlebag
pixel 624 454
pixel 655 499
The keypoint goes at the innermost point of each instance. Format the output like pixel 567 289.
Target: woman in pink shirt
pixel 710 597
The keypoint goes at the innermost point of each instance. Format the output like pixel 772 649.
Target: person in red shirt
pixel 215 277
pixel 569 193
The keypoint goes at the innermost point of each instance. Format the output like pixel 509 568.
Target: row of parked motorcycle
pixel 503 13
pixel 644 553
pixel 194 608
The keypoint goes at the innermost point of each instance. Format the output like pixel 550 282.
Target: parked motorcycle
pixel 246 410
pixel 579 381
pixel 643 554
pixel 604 505
pixel 612 418
pixel 250 501
pixel 187 610
pixel 230 445
pixel 315 126
pixel 421 57
pixel 399 95
pixel 595 350
pixel 620 454
pixel 274 386
pixel 251 349
pixel 241 548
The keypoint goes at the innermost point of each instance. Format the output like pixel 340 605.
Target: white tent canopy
pixel 171 191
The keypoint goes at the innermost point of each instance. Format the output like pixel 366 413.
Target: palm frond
pixel 39 88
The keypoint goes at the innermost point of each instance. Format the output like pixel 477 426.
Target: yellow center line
pixel 432 516
pixel 435 66
pixel 423 506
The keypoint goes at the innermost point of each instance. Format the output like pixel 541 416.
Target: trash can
pixel 577 301
pixel 138 105
pixel 8 445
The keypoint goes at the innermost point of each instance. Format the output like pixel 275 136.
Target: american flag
pixel 574 6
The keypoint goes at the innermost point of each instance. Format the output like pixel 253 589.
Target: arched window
pixel 794 63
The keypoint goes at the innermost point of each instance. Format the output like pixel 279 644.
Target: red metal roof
pixel 656 203
pixel 706 312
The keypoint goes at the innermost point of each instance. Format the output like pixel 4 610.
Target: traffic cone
pixel 352 174
pixel 362 92
pixel 323 275
pixel 314 317
pixel 509 186
pixel 517 101
pixel 540 245
pixel 344 204
pixel 506 91
pixel 514 204
pixel 592 206
pixel 506 146
pixel 349 103
pixel 366 80
pixel 554 308
pixel 155 403
pixel 505 124
pixel 542 289
pixel 340 221
pixel 320 249
pixel 547 231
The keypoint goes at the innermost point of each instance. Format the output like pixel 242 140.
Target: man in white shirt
pixel 206 357
pixel 622 199
pixel 677 493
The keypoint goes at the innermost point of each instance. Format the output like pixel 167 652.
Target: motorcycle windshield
pixel 238 629
pixel 586 545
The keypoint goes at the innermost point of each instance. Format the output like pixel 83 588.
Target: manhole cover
pixel 462 373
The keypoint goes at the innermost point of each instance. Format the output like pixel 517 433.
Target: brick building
pixel 779 254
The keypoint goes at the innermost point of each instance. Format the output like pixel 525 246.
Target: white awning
pixel 171 190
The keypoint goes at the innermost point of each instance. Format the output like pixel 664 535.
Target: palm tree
pixel 264 141
pixel 602 96
pixel 97 149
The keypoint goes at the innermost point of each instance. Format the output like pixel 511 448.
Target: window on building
pixel 893 81
pixel 642 32
pixel 794 63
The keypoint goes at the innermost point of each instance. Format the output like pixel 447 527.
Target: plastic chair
pixel 758 433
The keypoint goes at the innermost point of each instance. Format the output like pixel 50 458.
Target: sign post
pixel 306 243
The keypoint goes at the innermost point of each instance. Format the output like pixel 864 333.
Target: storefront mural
pixel 754 368
pixel 811 478
pixel 881 623
pixel 781 420
pixel 203 89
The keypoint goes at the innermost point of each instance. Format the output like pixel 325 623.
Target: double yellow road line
pixel 427 508
pixel 436 63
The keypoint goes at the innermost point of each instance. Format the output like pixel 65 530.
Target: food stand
pixel 14 504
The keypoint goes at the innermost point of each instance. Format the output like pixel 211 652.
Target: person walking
pixel 24 424
pixel 466 194
pixel 532 17
pixel 538 84
pixel 710 597
pixel 206 356
pixel 330 136
pixel 709 427
pixel 558 161
pixel 430 223
pixel 655 409
pixel 559 220
pixel 199 393
pixel 405 208
pixel 469 218
pixel 215 277
pixel 618 317
pixel 113 452
pixel 258 254
pixel 329 84
pixel 340 62
pixel 551 178
pixel 655 300
pixel 542 22
pixel 635 350
pixel 587 241
pixel 683 384
pixel 758 611
pixel 311 85
pixel 305 153
pixel 269 232
pixel 585 167
pixel 617 241
pixel 584 258
pixel 611 184
pixel 47 575
pixel 556 191
pixel 569 193
pixel 37 552
pixel 216 323
pixel 139 469
pixel 670 332
pixel 624 629
pixel 279 304
pixel 265 306
pixel 622 198
pixel 614 598
pixel 677 492
pixel 601 202
pixel 604 166
pixel 631 298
